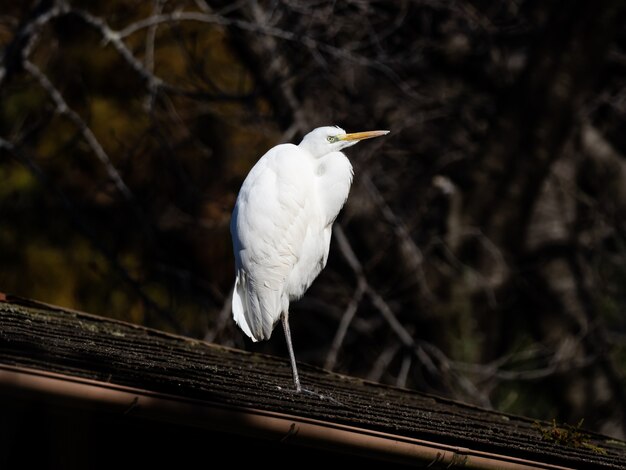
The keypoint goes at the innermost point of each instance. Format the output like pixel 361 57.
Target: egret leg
pixel 296 380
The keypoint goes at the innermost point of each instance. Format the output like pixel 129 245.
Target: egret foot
pixel 306 391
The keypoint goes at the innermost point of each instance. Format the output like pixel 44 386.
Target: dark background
pixel 482 252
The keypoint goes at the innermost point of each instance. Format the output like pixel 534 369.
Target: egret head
pixel 324 140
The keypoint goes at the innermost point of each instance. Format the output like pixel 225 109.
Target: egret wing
pixel 269 225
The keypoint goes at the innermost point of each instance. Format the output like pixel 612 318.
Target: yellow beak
pixel 362 135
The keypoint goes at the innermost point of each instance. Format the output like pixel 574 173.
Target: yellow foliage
pixel 22 102
pixel 51 273
pixel 15 179
pixel 115 124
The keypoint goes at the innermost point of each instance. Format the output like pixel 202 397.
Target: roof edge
pixel 296 430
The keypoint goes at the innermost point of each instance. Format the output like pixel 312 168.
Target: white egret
pixel 282 224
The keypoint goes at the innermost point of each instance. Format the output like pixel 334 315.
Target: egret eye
pixel 331 138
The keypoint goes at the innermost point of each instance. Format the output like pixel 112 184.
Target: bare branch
pixel 344 324
pixel 154 83
pixel 63 109
pixel 26 37
pixel 222 319
pixel 150 37
pixel 259 28
pixel 435 361
pixel 495 370
pixel 149 52
pixel 377 300
pixel 409 248
pixel 404 370
pixel 382 362
pixel 5 144
pixel 476 280
pixel 114 38
pixel 262 27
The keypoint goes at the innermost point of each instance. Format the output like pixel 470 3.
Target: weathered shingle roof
pixel 51 343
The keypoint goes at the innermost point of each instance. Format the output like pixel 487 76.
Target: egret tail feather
pixel 255 312
pixel 240 306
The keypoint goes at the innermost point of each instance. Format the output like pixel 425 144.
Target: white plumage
pixel 282 224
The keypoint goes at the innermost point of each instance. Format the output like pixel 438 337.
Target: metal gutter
pixel 297 430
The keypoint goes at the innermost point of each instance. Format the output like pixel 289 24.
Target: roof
pixel 137 371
